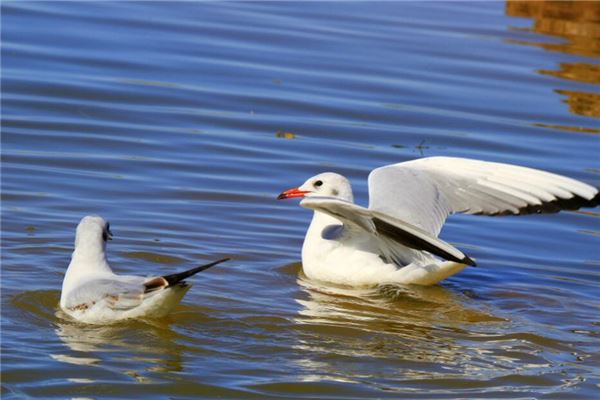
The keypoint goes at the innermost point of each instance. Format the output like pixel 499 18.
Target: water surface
pixel 181 122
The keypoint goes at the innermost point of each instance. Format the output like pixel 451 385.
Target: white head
pixel 327 184
pixel 92 234
pixel 90 252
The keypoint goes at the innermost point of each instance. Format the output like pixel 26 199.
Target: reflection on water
pixel 582 103
pixel 150 345
pixel 145 347
pixel 578 71
pixel 420 328
pixel 182 125
pixel 415 304
pixel 577 23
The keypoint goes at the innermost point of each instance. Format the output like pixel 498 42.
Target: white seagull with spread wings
pixel 395 239
pixel 93 293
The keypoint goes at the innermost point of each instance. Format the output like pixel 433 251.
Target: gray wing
pixel 424 192
pixel 121 293
pixel 126 291
pixel 387 230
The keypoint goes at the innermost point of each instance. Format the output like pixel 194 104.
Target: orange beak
pixel 291 193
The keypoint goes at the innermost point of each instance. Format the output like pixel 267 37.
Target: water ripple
pixel 182 123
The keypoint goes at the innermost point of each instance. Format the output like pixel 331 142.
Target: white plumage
pixel 93 293
pixel 395 239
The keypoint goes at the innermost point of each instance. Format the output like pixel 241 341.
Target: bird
pixel 92 293
pixel 395 240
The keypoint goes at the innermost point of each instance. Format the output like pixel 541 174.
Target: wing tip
pixel 551 207
pixel 595 201
pixel 178 277
pixel 468 261
pixel 571 204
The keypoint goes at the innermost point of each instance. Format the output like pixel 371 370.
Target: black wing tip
pixel 557 205
pixel 178 277
pixel 468 261
pixel 414 242
pixel 219 261
pixel 574 203
pixel 207 266
pixel 595 201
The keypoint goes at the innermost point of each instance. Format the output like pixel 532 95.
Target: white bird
pixel 395 240
pixel 93 293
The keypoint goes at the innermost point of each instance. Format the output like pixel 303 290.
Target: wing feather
pixel 118 294
pixel 424 192
pixel 385 229
pixel 125 292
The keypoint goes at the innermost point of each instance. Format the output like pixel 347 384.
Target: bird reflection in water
pixel 395 326
pixel 152 343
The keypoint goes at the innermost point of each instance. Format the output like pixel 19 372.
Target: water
pixel 181 122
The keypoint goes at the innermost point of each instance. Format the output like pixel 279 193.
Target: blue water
pixel 180 122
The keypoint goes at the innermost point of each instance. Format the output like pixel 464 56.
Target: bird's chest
pixel 321 244
pixel 336 256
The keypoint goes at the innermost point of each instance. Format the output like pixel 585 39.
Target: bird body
pixel 355 259
pixel 93 293
pixel 395 239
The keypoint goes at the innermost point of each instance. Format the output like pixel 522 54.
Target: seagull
pixel 395 240
pixel 93 293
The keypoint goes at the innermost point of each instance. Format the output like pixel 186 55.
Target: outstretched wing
pixel 387 230
pixel 425 191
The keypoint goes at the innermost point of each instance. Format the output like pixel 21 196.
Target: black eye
pixel 318 183
pixel 106 234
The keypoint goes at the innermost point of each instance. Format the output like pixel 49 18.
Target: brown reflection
pixel 582 103
pixel 580 72
pixel 578 22
pixel 568 128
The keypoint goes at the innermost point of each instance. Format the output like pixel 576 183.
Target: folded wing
pixel 126 292
pixel 387 230
pixel 117 294
pixel 424 192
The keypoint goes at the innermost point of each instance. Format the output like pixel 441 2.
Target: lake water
pixel 181 122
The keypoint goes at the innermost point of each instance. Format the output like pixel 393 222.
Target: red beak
pixel 291 193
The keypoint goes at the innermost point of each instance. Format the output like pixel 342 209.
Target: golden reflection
pixel 421 327
pixel 582 103
pixel 580 72
pixel 578 23
pixel 285 135
pixel 579 129
pixel 151 342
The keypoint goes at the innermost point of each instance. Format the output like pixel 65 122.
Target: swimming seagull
pixel 395 239
pixel 93 293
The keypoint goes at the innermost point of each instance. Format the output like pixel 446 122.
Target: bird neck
pixel 316 243
pixel 89 259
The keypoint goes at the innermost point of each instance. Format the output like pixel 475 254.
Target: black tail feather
pixel 178 277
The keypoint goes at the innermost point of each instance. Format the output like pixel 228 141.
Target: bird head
pixel 327 184
pixel 92 233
